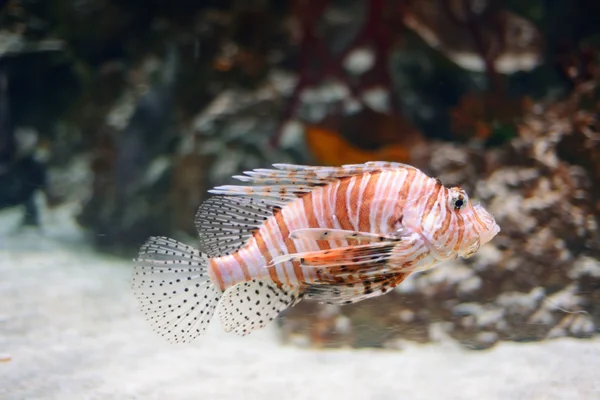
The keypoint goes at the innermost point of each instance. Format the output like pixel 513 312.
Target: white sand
pixel 71 328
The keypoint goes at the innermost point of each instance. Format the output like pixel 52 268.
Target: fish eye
pixel 458 200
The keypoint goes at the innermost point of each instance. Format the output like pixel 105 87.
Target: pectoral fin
pixel 370 253
pixel 340 234
pixel 352 292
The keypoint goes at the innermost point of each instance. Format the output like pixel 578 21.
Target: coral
pixel 340 141
pixel 477 35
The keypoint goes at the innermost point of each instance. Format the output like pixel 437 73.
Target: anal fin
pixel 348 256
pixel 251 305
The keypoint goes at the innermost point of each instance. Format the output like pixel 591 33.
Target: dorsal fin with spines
pixel 226 222
pixel 287 181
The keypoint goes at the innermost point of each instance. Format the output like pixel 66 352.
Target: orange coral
pixel 330 148
pixel 365 136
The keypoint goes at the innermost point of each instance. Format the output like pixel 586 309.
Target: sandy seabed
pixel 70 329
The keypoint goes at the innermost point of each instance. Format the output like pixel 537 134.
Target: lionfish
pixel 337 235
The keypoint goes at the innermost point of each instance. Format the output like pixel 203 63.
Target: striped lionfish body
pixel 333 234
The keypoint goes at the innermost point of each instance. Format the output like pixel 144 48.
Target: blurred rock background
pixel 130 110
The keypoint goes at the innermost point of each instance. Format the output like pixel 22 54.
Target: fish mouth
pixel 491 227
pixel 474 248
pixel 487 229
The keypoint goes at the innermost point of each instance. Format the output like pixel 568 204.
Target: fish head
pixel 478 224
pixel 457 226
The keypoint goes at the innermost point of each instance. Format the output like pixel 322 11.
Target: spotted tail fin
pixel 175 292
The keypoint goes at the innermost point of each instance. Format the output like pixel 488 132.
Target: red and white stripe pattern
pixel 376 201
pixel 336 235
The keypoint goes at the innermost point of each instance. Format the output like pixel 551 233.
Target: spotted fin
pixel 353 292
pixel 171 283
pixel 313 175
pixel 277 195
pixel 355 264
pixel 340 234
pixel 351 255
pixel 225 223
pixel 252 305
pixel 287 181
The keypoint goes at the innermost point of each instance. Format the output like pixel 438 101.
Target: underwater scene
pixel 300 199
